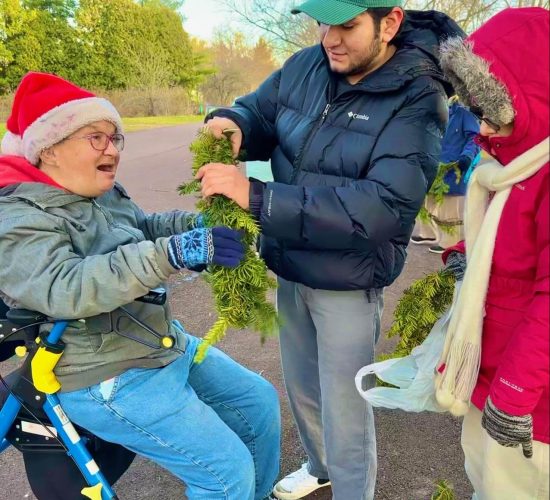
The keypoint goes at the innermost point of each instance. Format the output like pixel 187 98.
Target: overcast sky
pixel 203 16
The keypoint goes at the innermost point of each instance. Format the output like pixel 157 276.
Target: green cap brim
pixel 333 12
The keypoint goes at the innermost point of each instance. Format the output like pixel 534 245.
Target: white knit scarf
pixel 460 360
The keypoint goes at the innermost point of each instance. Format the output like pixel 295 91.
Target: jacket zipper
pixel 96 205
pixel 309 139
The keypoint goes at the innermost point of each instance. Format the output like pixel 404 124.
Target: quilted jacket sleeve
pixel 41 271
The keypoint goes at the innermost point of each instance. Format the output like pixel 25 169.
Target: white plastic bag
pixel 413 374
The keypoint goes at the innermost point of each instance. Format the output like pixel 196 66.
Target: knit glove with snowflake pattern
pixel 508 430
pixel 200 247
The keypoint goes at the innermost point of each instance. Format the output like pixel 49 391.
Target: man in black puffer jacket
pixel 353 128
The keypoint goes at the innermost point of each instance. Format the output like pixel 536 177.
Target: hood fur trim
pixel 472 80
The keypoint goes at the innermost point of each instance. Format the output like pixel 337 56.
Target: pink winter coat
pixel 516 336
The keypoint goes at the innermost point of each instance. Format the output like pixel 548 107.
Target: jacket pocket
pixel 98 327
pixel 105 391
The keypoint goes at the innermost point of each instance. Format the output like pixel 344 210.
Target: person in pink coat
pixel 501 72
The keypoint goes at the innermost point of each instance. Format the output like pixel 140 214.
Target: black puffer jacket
pixel 351 169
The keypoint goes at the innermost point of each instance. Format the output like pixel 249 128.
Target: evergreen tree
pixel 20 47
pixel 62 9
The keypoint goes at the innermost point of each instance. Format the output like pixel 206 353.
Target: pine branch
pixel 421 305
pixel 240 293
pixel 444 491
pixel 438 191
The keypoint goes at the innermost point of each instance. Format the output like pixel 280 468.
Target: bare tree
pixel 239 67
pixel 286 32
pixel 470 14
pixel 527 3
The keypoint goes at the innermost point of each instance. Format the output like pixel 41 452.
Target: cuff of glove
pixel 256 197
pixel 506 429
pixel 197 221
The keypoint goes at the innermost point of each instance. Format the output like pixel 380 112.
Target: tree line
pixel 125 44
pixel 286 33
pixel 95 43
pixel 142 45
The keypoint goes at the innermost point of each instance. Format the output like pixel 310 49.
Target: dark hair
pixel 378 13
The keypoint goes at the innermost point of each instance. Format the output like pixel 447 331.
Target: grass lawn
pixel 143 122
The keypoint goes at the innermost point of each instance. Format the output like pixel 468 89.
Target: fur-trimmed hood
pixel 503 68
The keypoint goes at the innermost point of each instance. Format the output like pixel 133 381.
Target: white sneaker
pixel 298 485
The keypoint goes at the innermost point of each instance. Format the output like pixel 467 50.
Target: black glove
pixel 508 430
pixel 464 162
pixel 456 264
pixel 203 246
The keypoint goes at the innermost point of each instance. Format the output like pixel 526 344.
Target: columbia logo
pixel 356 116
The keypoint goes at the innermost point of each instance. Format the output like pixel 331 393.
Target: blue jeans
pixel 214 425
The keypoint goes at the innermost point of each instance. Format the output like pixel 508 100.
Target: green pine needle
pixel 421 305
pixel 444 491
pixel 438 191
pixel 239 294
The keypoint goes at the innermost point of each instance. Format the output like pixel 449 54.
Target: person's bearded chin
pixel 367 62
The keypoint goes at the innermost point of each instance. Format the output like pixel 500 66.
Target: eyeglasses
pixel 100 140
pixel 478 113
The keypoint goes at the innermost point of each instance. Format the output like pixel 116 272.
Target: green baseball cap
pixel 336 12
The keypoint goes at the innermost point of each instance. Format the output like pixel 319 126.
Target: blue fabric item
pixel 214 425
pixel 473 165
pixel 198 221
pixel 204 246
pixel 459 142
pixel 351 164
pixel 256 197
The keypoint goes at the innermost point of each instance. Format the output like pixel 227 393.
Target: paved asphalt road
pixel 415 450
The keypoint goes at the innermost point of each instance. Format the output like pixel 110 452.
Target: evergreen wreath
pixel 240 293
pixel 438 191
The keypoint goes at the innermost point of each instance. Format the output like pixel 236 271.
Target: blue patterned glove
pixel 197 221
pixel 200 247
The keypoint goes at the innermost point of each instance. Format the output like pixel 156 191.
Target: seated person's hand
pixel 218 126
pixel 456 264
pixel 508 430
pixel 200 247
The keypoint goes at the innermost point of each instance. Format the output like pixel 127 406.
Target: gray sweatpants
pixel 326 337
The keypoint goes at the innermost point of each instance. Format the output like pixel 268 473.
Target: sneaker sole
pixel 286 495
pixel 423 242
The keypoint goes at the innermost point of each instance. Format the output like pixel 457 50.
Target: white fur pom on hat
pixel 47 109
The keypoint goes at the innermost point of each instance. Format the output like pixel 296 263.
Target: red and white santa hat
pixel 47 109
